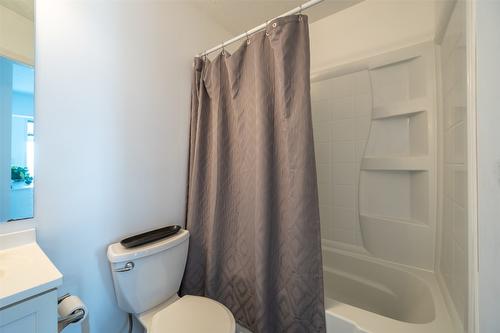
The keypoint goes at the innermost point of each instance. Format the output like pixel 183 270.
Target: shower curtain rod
pixel 250 32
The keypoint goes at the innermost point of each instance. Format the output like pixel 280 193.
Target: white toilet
pixel 147 279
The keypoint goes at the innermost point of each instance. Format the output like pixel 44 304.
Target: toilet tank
pixel 153 274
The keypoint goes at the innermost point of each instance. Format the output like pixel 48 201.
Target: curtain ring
pixel 205 55
pixel 300 13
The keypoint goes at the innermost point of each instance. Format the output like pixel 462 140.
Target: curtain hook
pixel 300 12
pixel 267 25
pixel 248 37
pixel 223 49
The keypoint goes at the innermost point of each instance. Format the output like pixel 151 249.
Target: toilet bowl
pixel 194 314
pixel 146 280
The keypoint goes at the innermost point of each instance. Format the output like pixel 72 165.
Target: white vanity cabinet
pixel 28 283
pixel 37 314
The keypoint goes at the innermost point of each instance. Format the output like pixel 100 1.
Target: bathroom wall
pixel 112 107
pixel 453 195
pixel 487 18
pixel 16 36
pixel 368 29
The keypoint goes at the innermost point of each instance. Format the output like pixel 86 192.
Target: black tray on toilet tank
pixel 150 236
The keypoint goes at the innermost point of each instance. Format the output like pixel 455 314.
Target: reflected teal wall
pixel 22 103
pixel 5 126
pixel 22 112
pixel 21 197
pixel 16 109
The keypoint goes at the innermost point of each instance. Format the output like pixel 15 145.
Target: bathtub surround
pixel 375 133
pixel 387 106
pixel 453 261
pixel 341 116
pixel 252 202
pixel 393 221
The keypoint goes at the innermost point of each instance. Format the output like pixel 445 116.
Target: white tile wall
pixel 341 109
pixel 453 261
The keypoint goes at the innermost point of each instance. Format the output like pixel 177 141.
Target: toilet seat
pixel 194 314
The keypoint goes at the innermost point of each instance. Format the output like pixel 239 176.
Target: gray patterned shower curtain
pixel 252 207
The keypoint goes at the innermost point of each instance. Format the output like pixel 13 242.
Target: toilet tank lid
pixel 118 253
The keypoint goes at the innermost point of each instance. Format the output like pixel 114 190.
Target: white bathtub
pixel 367 295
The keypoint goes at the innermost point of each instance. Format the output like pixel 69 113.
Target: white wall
pixel 112 106
pixel 488 136
pixel 370 28
pixel 453 260
pixel 16 36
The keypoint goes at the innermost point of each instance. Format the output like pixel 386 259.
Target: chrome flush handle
pixel 128 267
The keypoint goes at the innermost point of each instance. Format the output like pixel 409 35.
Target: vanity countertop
pixel 25 270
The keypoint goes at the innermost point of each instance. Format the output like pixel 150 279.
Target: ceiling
pixel 24 8
pixel 237 16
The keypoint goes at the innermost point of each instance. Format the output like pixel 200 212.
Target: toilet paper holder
pixel 71 318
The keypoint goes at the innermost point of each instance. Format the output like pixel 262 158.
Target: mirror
pixel 17 122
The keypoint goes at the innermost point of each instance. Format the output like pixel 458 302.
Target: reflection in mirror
pixel 16 110
pixel 16 140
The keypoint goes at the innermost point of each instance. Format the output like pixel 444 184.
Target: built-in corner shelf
pixel 397 170
pixel 403 240
pixel 401 129
pixel 420 163
pixel 401 109
pixel 410 223
pixel 396 194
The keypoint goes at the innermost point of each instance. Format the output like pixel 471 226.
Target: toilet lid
pixel 194 314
